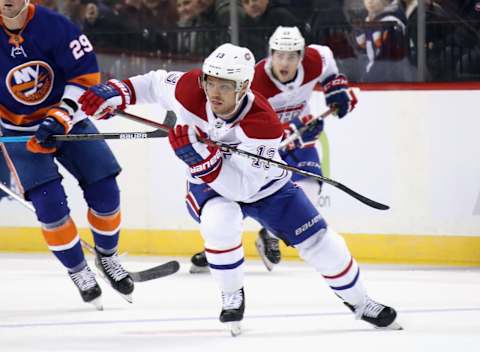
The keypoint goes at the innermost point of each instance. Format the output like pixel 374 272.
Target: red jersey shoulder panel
pixel 262 83
pixel 312 65
pixel 261 122
pixel 189 93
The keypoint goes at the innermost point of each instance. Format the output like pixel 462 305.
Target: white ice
pixel 289 309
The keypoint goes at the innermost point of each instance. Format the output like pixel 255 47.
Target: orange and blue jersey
pixel 45 61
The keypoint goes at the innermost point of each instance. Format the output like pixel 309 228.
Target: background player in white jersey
pixel 287 79
pixel 216 104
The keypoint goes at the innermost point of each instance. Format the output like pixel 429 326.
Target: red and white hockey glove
pixel 205 161
pixel 102 100
pixel 57 121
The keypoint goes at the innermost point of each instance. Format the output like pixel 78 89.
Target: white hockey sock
pixel 329 255
pixel 227 267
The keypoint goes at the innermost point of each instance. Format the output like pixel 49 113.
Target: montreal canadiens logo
pixel 30 83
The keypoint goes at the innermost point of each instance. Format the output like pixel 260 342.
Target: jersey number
pixel 266 153
pixel 80 46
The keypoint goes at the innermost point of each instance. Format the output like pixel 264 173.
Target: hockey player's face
pixel 221 94
pixel 11 8
pixel 285 64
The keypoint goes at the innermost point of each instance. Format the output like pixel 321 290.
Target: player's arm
pixel 75 58
pixel 158 87
pixel 335 85
pixel 232 176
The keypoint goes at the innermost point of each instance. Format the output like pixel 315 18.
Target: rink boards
pixel 415 150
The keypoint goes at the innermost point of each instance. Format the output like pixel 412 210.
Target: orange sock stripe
pixel 61 236
pixel 104 223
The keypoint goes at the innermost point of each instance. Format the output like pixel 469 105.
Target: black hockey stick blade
pixel 156 272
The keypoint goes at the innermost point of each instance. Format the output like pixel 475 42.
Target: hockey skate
pixel 233 306
pixel 110 269
pixel 377 314
pixel 199 263
pixel 268 249
pixel 88 287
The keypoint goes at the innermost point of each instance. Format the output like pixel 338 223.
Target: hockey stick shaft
pixel 246 154
pixel 89 136
pixel 156 272
pixel 165 127
pixel 294 136
pixel 287 167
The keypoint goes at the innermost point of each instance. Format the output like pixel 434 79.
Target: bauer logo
pixel 30 83
pixel 308 225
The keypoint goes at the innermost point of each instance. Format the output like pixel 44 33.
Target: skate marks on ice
pixel 285 309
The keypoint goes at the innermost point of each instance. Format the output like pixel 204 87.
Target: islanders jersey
pixel 255 128
pixel 290 100
pixel 48 60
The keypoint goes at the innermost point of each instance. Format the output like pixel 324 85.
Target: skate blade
pixel 97 303
pixel 194 269
pixel 127 298
pixel 261 250
pixel 392 326
pixel 235 328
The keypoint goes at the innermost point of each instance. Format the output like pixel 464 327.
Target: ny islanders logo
pixel 30 83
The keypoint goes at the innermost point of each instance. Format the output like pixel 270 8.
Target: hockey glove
pixel 57 121
pixel 102 100
pixel 311 131
pixel 205 162
pixel 338 95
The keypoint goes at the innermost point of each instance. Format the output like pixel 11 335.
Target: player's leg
pixel 197 196
pixel 62 237
pixel 320 246
pixel 39 179
pixel 221 226
pixel 93 164
pixel 304 158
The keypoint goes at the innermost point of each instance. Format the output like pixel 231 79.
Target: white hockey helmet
pixel 287 39
pixel 230 62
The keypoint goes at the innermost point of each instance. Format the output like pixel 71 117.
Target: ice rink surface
pixel 289 309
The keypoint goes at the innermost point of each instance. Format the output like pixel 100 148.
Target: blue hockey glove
pixel 338 94
pixel 309 136
pixel 57 121
pixel 205 161
pixel 102 100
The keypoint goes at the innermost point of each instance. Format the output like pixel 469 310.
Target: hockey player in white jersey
pixel 287 79
pixel 217 104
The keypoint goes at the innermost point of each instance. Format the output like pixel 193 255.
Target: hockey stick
pixel 169 121
pixel 156 272
pixel 89 136
pixel 291 138
pixel 349 191
pixel 280 165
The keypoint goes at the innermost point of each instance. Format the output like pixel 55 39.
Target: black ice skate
pixel 199 263
pixel 112 272
pixel 88 287
pixel 233 307
pixel 268 249
pixel 377 314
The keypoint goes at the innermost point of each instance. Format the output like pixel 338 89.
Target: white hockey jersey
pixel 290 100
pixel 255 129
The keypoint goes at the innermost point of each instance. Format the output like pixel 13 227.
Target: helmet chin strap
pixel 25 6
